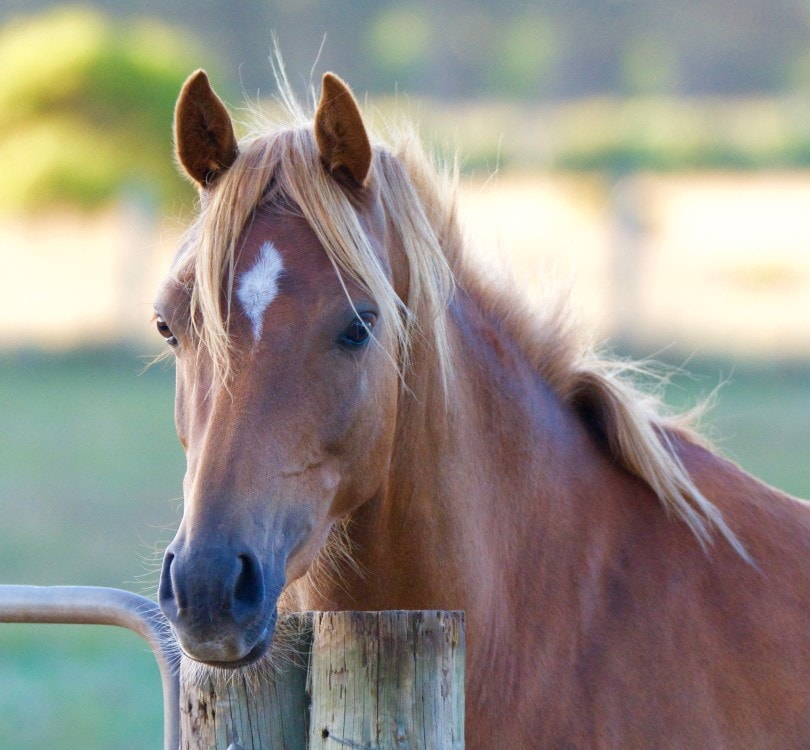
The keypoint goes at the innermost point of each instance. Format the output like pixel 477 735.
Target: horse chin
pixel 256 652
pixel 252 656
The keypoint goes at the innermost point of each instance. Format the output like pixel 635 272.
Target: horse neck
pixel 476 477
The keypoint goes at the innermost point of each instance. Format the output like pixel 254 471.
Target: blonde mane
pixel 284 160
pixel 420 201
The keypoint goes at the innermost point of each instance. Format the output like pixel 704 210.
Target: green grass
pixel 78 687
pixel 90 480
pixel 90 466
pixel 759 419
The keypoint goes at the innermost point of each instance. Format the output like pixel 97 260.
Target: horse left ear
pixel 203 131
pixel 340 133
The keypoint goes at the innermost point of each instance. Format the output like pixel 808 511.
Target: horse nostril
pixel 248 593
pixel 166 594
pixel 206 588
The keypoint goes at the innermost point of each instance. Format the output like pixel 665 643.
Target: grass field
pixel 90 479
pixel 90 476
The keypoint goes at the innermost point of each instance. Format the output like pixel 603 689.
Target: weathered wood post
pixel 370 680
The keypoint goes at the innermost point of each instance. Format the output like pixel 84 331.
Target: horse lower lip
pixel 251 656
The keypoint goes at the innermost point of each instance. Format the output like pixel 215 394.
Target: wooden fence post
pixel 368 680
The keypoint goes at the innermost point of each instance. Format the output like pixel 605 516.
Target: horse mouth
pixel 256 652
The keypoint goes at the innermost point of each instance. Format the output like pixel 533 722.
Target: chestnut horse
pixel 351 386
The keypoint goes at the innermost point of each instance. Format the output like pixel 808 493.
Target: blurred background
pixel 654 156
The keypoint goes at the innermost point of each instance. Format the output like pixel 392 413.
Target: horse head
pixel 283 313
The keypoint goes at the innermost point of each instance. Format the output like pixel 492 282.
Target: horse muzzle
pixel 221 602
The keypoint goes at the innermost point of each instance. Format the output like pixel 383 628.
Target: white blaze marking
pixel 258 286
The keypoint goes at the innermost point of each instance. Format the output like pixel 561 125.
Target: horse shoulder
pixel 672 645
pixel 756 617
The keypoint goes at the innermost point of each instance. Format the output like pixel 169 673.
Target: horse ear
pixel 340 133
pixel 203 132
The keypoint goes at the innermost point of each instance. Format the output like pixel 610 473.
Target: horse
pixel 371 421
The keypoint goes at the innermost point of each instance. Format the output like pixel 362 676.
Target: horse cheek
pixel 369 441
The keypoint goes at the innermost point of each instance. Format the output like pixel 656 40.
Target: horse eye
pixel 359 330
pixel 165 331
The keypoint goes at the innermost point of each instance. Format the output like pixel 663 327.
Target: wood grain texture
pixel 270 712
pixel 372 680
pixel 386 680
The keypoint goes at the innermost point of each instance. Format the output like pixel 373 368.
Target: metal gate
pixel 93 605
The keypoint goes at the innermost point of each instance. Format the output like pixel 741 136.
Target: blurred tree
pixel 649 66
pixel 468 48
pixel 400 39
pixel 86 109
pixel 527 57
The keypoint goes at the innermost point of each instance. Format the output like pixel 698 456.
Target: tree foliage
pixel 507 49
pixel 86 109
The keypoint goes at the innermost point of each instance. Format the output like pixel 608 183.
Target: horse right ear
pixel 203 132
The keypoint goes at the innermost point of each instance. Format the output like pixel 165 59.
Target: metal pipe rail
pixel 94 605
